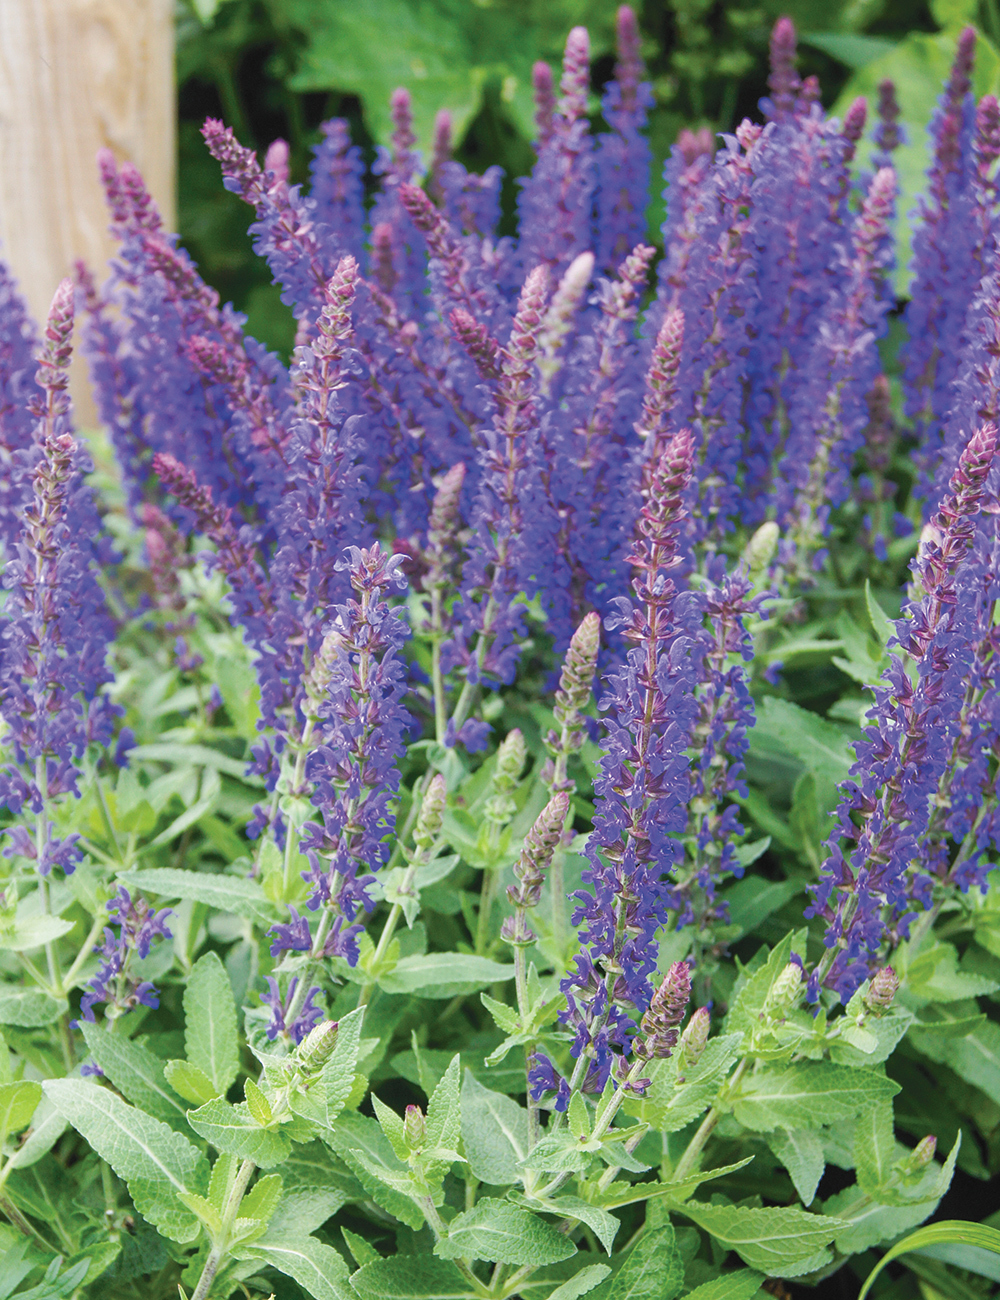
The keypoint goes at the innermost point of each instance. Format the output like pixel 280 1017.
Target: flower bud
pixel 414 1128
pixel 922 1154
pixel 881 990
pixel 511 757
pixel 761 548
pixel 540 844
pixel 317 1047
pixel 694 1037
pixel 784 993
pixel 658 1030
pixel 431 813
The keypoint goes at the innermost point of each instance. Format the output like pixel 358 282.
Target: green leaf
pixel 365 1150
pixel 18 1102
pixel 580 1283
pixel 494 1133
pixel 778 1242
pixel 676 1191
pixel 444 975
pixel 874 1147
pixel 320 1270
pixel 885 628
pixel 801 1152
pixel 35 931
pixel 653 1269
pixel 189 1082
pixel 237 895
pixel 135 1071
pixel 933 975
pixel 937 1234
pixel 411 1277
pixel 48 1126
pixel 603 1225
pixel 852 48
pixel 741 1284
pixel 444 1115
pixel 262 1199
pixel 676 1096
pixel 188 755
pixel 210 1033
pixel 392 1126
pixel 155 1161
pixel 821 746
pixel 501 1233
pixel 363 1251
pixel 976 1057
pixel 28 1008
pixel 233 1129
pixel 807 1095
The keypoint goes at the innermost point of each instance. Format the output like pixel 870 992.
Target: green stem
pixel 521 986
pixel 83 954
pixel 486 899
pixel 219 1252
pixel 15 1216
pixel 695 1146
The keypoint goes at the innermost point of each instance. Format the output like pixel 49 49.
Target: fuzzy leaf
pixel 494 1133
pixel 189 1082
pixel 742 1284
pixel 411 1277
pixel 365 1150
pixel 776 1241
pixel 238 895
pixel 874 1147
pixel 444 1114
pixel 801 1152
pixel 18 1102
pixel 28 1008
pixel 808 1095
pixel 444 975
pixel 210 1031
pixel 581 1283
pixel 233 1129
pixel 653 1269
pixel 155 1161
pixel 135 1071
pixel 500 1232
pixel 319 1270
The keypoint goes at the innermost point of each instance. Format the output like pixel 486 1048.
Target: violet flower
pixel 623 155
pixel 133 929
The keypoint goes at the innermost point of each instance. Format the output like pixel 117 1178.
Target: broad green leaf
pixel 18 1102
pixel 852 48
pixel 775 1241
pixel 327 1096
pixel 365 1150
pixel 653 1269
pixel 210 1034
pixel 392 1126
pixel 155 1161
pixel 494 1133
pixel 808 1094
pixel 874 1147
pixel 444 1114
pixel 444 975
pixel 821 746
pixel 189 1082
pixel 303 1211
pixel 581 1283
pixel 676 1096
pixel 233 1129
pixel 48 1126
pixel 411 1277
pixel 975 1057
pixel 751 991
pixel 869 1223
pixel 28 1008
pixel 238 895
pixel 933 976
pixel 676 1191
pixel 500 1232
pixel 801 1152
pixel 35 931
pixel 362 1250
pixel 262 1199
pixel 320 1270
pixel 603 1225
pixel 188 755
pixel 873 1042
pixel 742 1284
pixel 135 1071
pixel 950 1231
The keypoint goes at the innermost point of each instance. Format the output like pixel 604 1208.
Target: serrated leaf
pixel 603 1225
pixel 505 1017
pixel 363 1251
pixel 675 1191
pixel 444 975
pixel 392 1126
pixel 874 1147
pixel 237 895
pixel 444 1115
pixel 772 1240
pixel 676 1096
pixel 801 1152
pixel 262 1199
pixel 581 1283
pixel 18 1102
pixel 742 1284
pixel 189 1082
pixel 411 1277
pixel 653 1269
pixel 48 1126
pixel 233 1129
pixel 976 1057
pixel 494 1133
pixel 807 1095
pixel 502 1233
pixel 302 1211
pixel 154 1160
pixel 365 1150
pixel 210 1031
pixel 135 1071
pixel 257 1104
pixel 319 1269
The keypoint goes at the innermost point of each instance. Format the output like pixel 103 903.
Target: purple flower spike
pixel 306 1019
pixel 137 927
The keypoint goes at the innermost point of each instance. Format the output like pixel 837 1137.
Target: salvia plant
pixel 506 806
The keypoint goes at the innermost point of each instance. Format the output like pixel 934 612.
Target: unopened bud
pixel 414 1128
pixel 431 813
pixel 576 680
pixel 761 548
pixel 540 844
pixel 784 992
pixel 511 757
pixel 695 1036
pixel 658 1035
pixel 882 990
pixel 923 1152
pixel 317 1047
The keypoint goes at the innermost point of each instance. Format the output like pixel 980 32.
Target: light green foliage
pixel 652 1270
pixel 210 1037
pixel 496 1230
pixel 494 1133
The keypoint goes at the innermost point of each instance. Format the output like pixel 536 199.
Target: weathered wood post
pixel 76 76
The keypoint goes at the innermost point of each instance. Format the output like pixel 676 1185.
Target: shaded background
pixel 279 67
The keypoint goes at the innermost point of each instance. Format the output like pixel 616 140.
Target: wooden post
pixel 76 76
